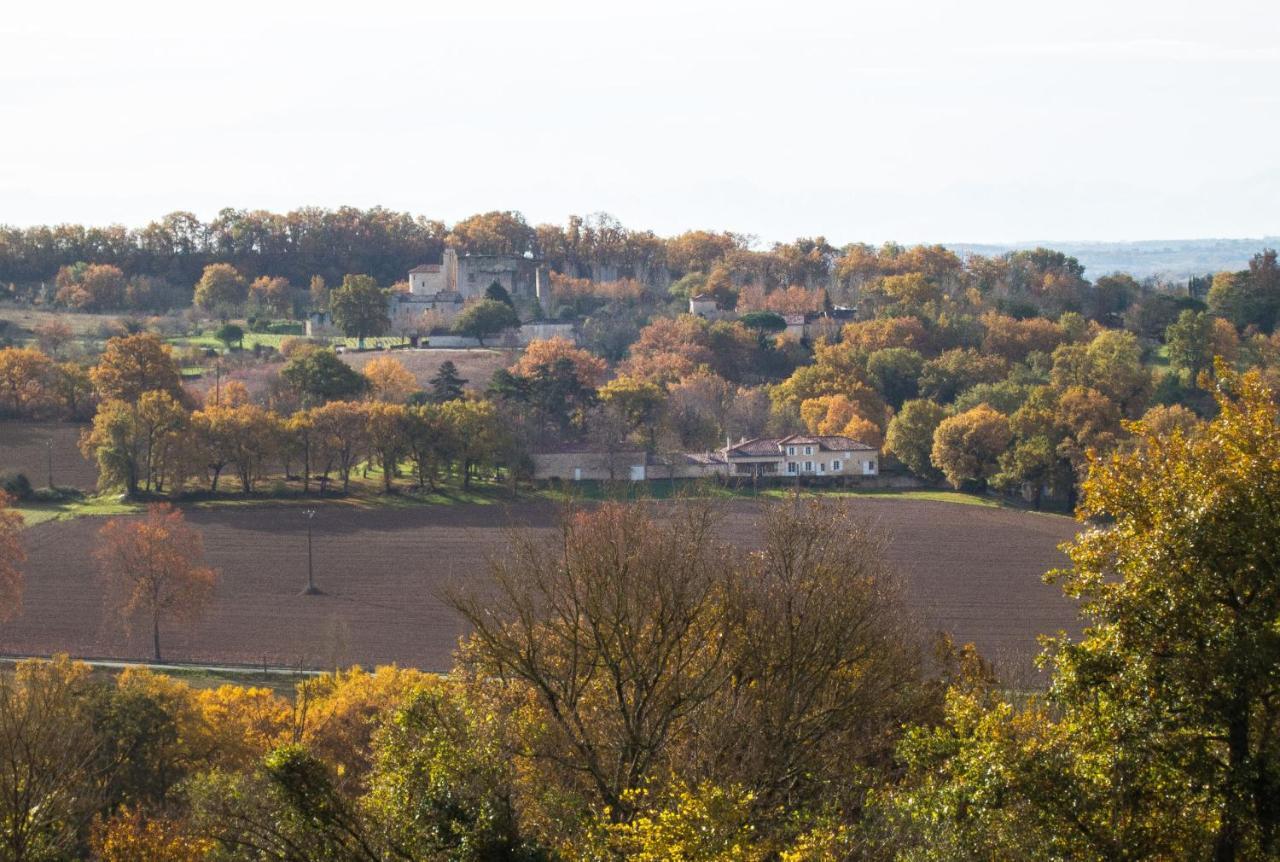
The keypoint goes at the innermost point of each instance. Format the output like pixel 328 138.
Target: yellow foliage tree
pixel 389 380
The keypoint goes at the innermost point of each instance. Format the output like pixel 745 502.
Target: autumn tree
pixel 92 287
pixel 154 569
pixel 669 349
pixel 221 287
pixel 542 354
pixel 140 446
pixel 244 435
pixel 159 426
pixel 53 336
pixel 838 414
pixel 112 442
pixel 967 446
pixel 497 232
pixel 620 640
pixel 50 759
pixel 388 380
pixel 1112 364
pixel 359 308
pixel 275 295
pixel 12 556
pixel 485 318
pixel 1181 609
pixel 134 364
pixel 72 387
pixel 388 431
pixel 473 429
pixel 26 377
pixel 1156 737
pixel 429 442
pixel 341 434
pixel 640 401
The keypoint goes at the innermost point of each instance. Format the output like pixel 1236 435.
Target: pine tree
pixel 447 384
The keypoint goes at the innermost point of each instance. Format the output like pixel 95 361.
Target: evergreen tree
pixel 447 384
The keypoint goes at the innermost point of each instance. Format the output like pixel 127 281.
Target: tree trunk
pixel 1227 845
pixel 155 634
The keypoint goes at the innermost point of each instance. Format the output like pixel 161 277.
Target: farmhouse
pixel 793 457
pixel 800 455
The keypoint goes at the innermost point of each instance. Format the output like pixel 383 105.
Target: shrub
pixel 16 485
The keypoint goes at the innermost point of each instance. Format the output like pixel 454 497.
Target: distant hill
pixel 1172 259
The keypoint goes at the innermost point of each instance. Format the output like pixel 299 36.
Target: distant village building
pixel 704 305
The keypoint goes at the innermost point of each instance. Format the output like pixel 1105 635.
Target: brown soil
pixel 972 571
pixel 24 447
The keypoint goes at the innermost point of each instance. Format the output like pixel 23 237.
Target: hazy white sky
pixel 920 120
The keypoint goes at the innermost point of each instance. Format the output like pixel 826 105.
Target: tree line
pixel 635 687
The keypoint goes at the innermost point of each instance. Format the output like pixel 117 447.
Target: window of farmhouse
pixel 835 466
pixel 791 466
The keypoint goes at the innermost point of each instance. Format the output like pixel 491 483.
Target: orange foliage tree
pixel 795 299
pixel 669 349
pixel 155 569
pixel 543 354
pixel 133 364
pixel 26 376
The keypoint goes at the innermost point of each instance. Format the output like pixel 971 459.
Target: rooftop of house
pixel 425 267
pixel 762 447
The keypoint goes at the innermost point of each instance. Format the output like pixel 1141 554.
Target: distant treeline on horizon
pixel 331 243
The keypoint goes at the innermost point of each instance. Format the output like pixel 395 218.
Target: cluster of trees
pixel 636 688
pixel 150 435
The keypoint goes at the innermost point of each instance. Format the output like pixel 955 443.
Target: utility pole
pixel 311 589
pixel 49 446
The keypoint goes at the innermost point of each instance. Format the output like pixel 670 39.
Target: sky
pixel 911 120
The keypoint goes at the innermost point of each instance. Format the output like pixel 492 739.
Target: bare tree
pixel 618 625
pixel 652 647
pixel 827 666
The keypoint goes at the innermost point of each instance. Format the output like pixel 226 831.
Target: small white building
pixel 704 305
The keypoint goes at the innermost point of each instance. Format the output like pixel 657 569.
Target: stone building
pixel 439 291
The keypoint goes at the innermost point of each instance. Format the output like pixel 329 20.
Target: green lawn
pixel 661 489
pixel 366 492
pixel 38 513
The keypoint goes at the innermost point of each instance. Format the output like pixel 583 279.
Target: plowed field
pixel 969 570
